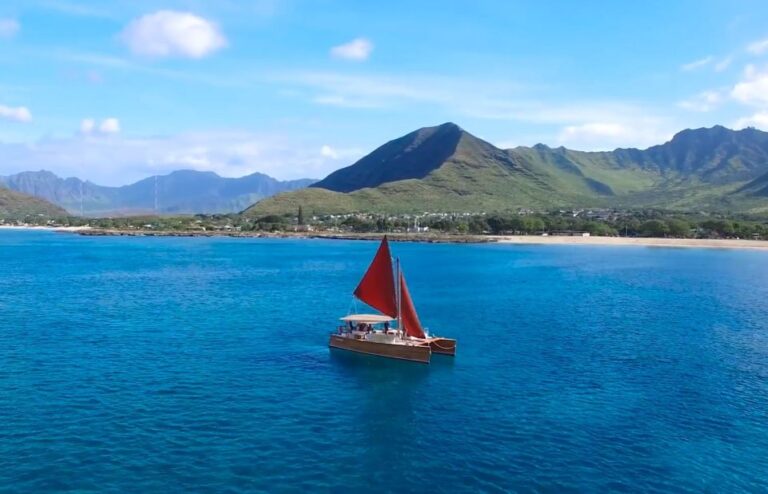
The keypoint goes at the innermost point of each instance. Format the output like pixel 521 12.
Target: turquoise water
pixel 201 365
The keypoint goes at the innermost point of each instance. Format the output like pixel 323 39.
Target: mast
pixel 398 295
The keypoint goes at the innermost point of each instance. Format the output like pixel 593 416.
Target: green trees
pixel 647 223
pixel 270 223
pixel 654 228
pixel 478 225
pixel 359 225
pixel 719 228
pixel 499 224
pixel 678 228
pixel 516 224
pixel 598 229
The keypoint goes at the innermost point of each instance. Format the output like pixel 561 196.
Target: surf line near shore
pixel 450 238
pixel 48 228
pixel 715 243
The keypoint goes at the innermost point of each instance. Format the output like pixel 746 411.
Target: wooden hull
pixel 442 346
pixel 414 353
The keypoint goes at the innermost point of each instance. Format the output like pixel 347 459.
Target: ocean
pixel 201 365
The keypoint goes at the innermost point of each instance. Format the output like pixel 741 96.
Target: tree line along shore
pixel 561 223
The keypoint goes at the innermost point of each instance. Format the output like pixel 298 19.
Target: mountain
pixel 412 156
pixel 183 191
pixel 15 205
pixel 757 187
pixel 445 168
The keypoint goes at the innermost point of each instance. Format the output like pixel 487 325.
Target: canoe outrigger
pixel 372 333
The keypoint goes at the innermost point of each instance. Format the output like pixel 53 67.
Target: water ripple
pixel 199 365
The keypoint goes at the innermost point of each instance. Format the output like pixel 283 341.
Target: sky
pixel 116 91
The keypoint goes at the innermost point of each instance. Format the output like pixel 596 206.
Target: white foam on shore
pixel 722 243
pixel 49 228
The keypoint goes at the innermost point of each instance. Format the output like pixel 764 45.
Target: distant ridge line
pixel 445 168
pixel 178 192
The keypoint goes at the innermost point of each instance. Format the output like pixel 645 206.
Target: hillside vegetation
pixel 17 206
pixel 445 168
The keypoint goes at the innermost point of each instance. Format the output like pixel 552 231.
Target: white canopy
pixel 367 318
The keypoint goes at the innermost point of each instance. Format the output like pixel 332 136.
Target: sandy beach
pixel 49 228
pixel 628 241
pixel 451 238
pixel 425 237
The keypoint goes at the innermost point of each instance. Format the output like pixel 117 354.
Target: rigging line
pixel 352 309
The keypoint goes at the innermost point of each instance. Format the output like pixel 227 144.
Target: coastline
pixel 451 238
pixel 395 237
pixel 46 228
pixel 711 243
pixel 445 238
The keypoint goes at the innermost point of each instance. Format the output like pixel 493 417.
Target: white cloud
pixel 358 50
pixel 340 154
pixel 108 126
pixel 168 33
pixel 758 47
pixel 716 64
pixel 753 90
pixel 723 64
pixel 378 91
pixel 458 97
pixel 117 63
pixel 328 152
pixel 469 99
pixel 595 129
pixel 702 102
pixel 344 101
pixel 759 120
pixel 87 126
pixel 8 27
pixel 121 159
pixel 15 114
pixel 697 64
pixel 609 135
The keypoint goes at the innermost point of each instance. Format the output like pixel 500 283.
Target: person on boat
pixel 386 326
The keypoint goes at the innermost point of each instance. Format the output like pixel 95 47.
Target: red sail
pixel 377 288
pixel 408 317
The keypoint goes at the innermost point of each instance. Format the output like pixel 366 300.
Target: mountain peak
pixel 450 125
pixel 412 156
pixel 179 191
pixel 186 172
pixel 714 132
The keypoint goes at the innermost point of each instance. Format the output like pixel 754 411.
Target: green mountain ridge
pixel 17 206
pixel 183 191
pixel 445 168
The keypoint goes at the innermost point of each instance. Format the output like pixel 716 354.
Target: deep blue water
pixel 200 365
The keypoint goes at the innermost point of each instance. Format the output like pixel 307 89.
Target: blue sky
pixel 116 91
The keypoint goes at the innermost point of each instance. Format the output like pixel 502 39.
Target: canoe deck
pixel 442 346
pixel 414 352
